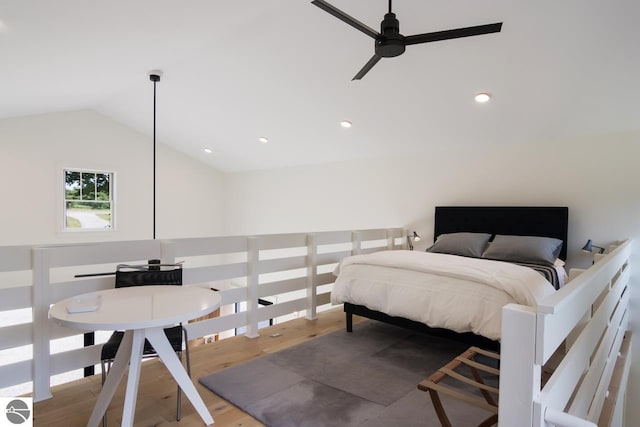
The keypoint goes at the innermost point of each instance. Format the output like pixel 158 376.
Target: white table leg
pixel 158 339
pixel 137 346
pixel 114 377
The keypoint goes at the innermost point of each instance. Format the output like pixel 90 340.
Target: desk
pixel 143 312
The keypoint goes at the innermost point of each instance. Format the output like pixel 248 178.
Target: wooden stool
pixel 431 384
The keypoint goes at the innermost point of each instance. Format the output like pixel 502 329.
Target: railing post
pixel 390 239
pixel 40 326
pixel 356 242
pixel 312 267
pixel 519 374
pixel 253 259
pixel 168 252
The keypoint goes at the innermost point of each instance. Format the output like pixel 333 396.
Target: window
pixel 88 200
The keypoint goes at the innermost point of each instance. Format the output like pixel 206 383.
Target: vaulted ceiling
pixel 238 70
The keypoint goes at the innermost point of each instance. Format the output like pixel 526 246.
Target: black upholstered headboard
pixel 513 220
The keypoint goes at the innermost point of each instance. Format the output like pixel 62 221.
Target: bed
pixel 417 290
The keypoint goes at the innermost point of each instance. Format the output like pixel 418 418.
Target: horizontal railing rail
pixel 284 267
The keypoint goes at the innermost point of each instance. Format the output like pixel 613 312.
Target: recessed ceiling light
pixel 263 139
pixel 208 150
pixel 345 124
pixel 482 97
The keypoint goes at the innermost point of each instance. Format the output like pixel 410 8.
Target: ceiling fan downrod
pixel 390 43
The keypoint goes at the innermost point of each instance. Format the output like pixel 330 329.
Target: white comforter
pixel 444 291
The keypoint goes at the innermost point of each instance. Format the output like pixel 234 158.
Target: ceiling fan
pixel 389 42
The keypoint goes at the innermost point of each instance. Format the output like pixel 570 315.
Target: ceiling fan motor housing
pixel 391 42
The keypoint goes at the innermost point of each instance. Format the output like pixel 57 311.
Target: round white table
pixel 143 312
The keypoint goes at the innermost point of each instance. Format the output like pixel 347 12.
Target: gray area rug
pixel 365 378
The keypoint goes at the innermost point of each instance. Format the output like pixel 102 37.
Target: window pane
pixel 72 185
pixel 102 186
pixel 88 202
pixel 88 186
pixel 88 214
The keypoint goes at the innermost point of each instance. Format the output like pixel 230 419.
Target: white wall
pixel 598 178
pixel 35 149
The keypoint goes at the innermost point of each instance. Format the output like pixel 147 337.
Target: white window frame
pixel 112 199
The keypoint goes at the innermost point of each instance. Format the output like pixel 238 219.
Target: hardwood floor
pixel 72 403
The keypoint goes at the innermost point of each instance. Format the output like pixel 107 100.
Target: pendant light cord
pixel 154 159
pixel 154 76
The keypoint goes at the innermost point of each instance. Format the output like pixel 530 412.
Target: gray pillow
pixel 465 244
pixel 533 249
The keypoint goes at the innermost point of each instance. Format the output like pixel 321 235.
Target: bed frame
pixel 467 337
pixel 511 220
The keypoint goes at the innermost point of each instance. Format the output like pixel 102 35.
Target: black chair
pixel 140 275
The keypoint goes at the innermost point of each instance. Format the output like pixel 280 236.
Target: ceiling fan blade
pixel 453 34
pixel 368 66
pixel 346 18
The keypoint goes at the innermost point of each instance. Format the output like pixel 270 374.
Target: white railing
pixel 244 268
pixel 579 336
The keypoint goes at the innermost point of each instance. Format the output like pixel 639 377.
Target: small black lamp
pixel 414 237
pixel 588 247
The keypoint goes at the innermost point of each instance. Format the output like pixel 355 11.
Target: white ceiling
pixel 238 69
